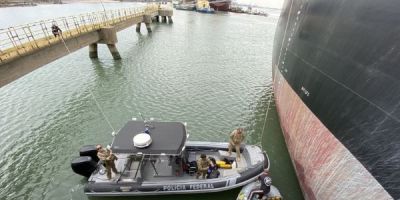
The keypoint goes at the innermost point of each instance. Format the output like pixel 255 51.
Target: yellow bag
pixel 223 165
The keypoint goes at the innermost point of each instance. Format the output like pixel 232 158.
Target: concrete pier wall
pixel 17 68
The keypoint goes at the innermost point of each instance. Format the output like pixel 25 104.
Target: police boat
pixel 155 158
pixel 252 191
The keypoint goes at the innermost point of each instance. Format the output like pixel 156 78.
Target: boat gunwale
pixel 158 192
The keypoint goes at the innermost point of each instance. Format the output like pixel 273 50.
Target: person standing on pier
pixel 235 139
pixel 56 30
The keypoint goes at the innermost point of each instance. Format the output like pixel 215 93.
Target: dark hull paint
pixel 325 168
pixel 341 59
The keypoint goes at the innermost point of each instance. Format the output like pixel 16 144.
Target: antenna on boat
pixel 187 134
pixel 144 119
pixel 146 123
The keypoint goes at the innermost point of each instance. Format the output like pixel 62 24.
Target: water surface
pixel 211 71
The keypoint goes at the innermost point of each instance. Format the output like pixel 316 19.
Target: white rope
pixel 105 13
pixel 103 6
pixel 266 115
pixel 90 91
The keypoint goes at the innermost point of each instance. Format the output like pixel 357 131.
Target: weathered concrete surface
pixel 108 35
pixel 36 58
pixel 166 12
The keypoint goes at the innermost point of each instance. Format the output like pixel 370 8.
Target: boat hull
pixel 335 75
pixel 254 188
pixel 220 5
pixel 257 161
pixel 209 11
pixel 167 189
pixel 325 168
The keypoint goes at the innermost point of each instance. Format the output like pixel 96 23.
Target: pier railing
pixel 19 40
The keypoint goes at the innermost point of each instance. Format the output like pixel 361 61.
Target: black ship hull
pixel 337 87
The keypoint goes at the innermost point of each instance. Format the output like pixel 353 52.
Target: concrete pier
pixel 164 13
pixel 93 50
pixel 114 51
pixel 138 27
pixel 148 27
pixel 108 35
pixel 19 57
pixel 147 22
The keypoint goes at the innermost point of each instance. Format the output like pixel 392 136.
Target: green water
pixel 211 71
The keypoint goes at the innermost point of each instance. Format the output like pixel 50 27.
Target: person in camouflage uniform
pixel 235 139
pixel 108 158
pixel 202 166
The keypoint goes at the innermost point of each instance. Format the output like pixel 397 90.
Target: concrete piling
pixel 138 27
pixel 93 50
pixel 148 27
pixel 114 51
pixel 147 22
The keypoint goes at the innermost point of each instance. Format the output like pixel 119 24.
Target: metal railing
pixel 22 39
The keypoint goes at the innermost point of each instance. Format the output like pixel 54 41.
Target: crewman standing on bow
pixel 108 158
pixel 235 139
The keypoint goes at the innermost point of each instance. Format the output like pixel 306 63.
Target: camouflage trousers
pixel 110 165
pixel 202 173
pixel 237 148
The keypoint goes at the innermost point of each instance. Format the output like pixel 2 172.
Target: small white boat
pixel 189 7
pixel 252 191
pixel 165 163
pixel 203 6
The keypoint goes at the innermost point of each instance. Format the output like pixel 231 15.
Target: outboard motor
pixel 89 150
pixel 84 166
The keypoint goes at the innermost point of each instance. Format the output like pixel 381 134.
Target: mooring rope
pixel 266 115
pixel 90 91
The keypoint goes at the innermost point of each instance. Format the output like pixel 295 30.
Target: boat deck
pixel 168 168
